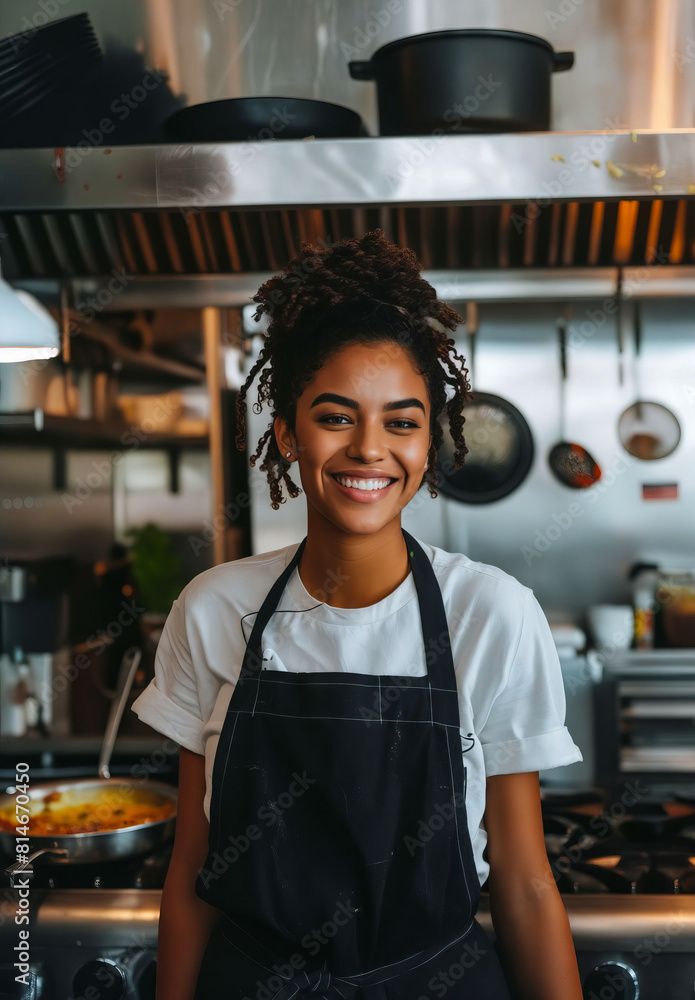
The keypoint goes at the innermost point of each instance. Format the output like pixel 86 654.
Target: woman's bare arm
pixel 185 920
pixel 527 911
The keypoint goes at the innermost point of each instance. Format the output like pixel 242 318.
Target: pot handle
pixel 361 69
pixel 562 61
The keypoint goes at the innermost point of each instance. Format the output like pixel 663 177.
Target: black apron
pixel 339 851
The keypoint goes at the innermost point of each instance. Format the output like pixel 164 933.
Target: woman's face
pixel 364 418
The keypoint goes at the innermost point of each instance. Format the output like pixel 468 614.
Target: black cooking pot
pixel 463 80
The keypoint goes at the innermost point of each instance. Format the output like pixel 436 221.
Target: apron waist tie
pixel 324 985
pixel 318 982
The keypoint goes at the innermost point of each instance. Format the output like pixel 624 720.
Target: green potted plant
pixel 157 569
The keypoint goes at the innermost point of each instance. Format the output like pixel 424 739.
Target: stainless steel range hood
pixel 505 205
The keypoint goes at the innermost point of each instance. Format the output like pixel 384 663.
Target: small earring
pixel 289 453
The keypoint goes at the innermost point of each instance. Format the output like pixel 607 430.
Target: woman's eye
pixel 332 417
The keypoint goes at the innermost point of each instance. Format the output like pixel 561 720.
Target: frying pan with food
pixel 88 819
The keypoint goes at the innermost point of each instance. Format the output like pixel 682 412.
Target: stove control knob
pixel 100 978
pixel 611 979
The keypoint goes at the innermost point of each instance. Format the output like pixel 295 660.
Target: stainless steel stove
pixel 628 887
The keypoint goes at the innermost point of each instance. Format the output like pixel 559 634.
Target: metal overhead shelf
pixel 478 203
pixel 386 170
pixel 480 285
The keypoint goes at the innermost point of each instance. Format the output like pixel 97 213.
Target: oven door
pixel 645 706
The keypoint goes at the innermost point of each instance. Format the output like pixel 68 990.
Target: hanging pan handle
pixel 471 330
pixel 638 351
pixel 561 326
pixel 619 323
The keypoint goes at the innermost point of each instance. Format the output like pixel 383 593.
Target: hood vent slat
pixel 468 237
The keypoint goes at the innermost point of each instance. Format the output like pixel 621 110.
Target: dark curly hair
pixel 364 290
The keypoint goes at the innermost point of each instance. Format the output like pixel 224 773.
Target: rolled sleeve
pixel 525 728
pixel 532 753
pixel 170 703
pixel 161 713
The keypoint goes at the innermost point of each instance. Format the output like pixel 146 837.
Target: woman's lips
pixel 363 496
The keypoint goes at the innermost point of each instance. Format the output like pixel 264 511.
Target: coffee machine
pixel 33 640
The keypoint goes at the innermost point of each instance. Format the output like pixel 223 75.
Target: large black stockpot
pixel 463 80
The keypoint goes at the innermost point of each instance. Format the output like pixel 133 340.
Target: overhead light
pixel 28 332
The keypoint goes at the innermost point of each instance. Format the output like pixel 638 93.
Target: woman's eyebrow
pixel 398 404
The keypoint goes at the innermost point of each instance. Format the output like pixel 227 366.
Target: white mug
pixel 612 624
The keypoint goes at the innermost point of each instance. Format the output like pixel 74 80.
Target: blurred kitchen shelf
pixel 657 759
pixel 66 757
pixel 649 662
pixel 658 708
pixel 15 746
pixel 37 428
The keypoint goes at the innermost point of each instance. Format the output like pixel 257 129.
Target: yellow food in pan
pixel 55 818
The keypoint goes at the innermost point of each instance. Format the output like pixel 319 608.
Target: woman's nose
pixel 366 442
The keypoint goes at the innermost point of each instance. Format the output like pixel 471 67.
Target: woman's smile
pixel 362 489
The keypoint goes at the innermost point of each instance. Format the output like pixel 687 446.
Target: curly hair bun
pixel 358 289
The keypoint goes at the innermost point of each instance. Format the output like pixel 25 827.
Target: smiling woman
pixel 410 692
pixel 364 292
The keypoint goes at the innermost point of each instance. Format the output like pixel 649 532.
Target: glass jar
pixel 675 594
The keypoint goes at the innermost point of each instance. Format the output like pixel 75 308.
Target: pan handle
pixel 361 69
pixel 126 676
pixel 471 330
pixel 619 323
pixel 20 867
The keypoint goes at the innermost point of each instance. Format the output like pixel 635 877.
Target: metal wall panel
pixel 571 558
pixel 635 59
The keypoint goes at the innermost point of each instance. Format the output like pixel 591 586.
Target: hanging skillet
pixel 499 442
pixel 647 430
pixel 570 462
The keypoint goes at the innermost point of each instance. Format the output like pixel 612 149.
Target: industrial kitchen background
pixel 557 216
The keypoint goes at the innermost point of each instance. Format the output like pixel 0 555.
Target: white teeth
pixel 364 484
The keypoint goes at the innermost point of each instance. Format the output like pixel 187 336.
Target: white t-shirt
pixel 511 693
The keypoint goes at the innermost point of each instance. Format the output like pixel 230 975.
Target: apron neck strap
pixel 435 630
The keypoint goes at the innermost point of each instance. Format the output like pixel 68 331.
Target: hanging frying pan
pixel 647 430
pixel 572 464
pixel 499 442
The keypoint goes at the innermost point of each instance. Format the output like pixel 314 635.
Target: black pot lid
pixel 427 36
